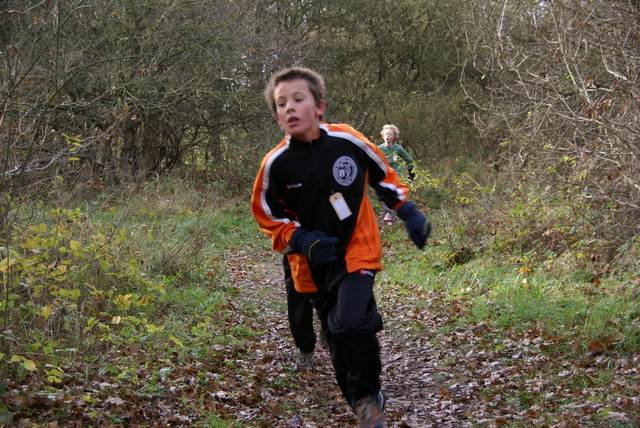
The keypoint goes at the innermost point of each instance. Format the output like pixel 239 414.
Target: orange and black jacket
pixel 293 190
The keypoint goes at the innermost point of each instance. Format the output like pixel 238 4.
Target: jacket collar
pixel 300 143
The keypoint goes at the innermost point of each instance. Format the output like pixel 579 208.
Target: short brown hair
pixel 314 80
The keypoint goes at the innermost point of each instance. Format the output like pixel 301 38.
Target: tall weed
pixel 519 256
pixel 113 271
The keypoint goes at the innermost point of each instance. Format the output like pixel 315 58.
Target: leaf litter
pixel 436 373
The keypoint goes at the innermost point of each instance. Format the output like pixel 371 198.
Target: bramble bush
pixel 70 288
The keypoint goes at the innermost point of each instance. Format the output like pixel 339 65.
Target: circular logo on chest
pixel 344 170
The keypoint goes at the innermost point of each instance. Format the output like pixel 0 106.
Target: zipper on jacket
pixel 322 187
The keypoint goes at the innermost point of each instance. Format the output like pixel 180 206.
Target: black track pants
pixel 300 314
pixel 350 317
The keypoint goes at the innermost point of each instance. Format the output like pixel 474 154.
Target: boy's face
pixel 296 110
pixel 389 136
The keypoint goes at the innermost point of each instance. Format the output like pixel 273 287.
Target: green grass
pixel 507 293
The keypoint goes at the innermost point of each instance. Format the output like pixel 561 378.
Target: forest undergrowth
pixel 163 305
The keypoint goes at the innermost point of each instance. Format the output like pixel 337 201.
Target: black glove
pixel 417 225
pixel 412 175
pixel 315 245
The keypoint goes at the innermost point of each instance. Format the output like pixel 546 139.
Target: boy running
pixel 310 198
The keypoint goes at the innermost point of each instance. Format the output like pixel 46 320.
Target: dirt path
pixel 436 374
pixel 412 376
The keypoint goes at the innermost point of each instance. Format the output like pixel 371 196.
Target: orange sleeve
pixel 270 213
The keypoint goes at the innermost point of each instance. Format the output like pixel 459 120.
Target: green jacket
pixel 396 155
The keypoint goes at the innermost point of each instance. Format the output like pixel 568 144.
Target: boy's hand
pixel 315 245
pixel 417 225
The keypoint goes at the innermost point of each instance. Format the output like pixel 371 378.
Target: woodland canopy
pixel 116 91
